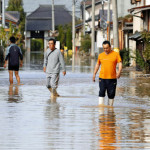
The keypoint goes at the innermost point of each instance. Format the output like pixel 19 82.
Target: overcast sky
pixel 31 5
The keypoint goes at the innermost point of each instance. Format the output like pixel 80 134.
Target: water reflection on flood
pixel 107 129
pixel 13 94
pixel 30 119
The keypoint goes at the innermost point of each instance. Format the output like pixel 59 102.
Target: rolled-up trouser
pixel 109 85
pixel 52 80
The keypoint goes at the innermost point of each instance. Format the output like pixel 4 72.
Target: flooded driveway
pixel 29 119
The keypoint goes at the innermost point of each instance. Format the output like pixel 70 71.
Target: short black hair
pixel 107 42
pixel 12 39
pixel 54 41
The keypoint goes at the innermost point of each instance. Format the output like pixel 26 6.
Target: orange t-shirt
pixel 108 64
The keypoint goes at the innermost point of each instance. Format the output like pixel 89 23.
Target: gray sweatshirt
pixel 53 61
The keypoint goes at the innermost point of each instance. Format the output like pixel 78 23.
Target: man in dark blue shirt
pixel 13 55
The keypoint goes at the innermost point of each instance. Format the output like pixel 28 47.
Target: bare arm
pixel 21 63
pixel 44 69
pixel 119 71
pixel 5 64
pixel 45 62
pixel 95 71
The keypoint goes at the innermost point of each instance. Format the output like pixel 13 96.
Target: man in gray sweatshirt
pixel 53 59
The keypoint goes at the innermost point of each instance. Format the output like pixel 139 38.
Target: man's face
pixel 51 45
pixel 106 48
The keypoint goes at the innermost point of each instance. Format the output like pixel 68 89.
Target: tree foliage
pixel 69 38
pixel 61 36
pixel 13 31
pixel 85 43
pixel 17 5
pixel 124 53
pixel 65 36
pixel 143 57
pixel 37 44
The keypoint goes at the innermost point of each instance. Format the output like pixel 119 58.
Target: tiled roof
pixel 13 16
pixel 41 19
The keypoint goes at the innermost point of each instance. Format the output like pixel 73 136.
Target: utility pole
pixel 93 29
pixel 0 7
pixel 84 18
pixel 103 17
pixel 73 27
pixel 108 21
pixel 3 13
pixel 115 26
pixel 53 17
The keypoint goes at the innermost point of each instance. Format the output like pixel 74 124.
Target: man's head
pixel 12 39
pixel 107 47
pixel 52 43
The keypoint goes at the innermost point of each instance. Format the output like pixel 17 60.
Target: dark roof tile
pixel 42 17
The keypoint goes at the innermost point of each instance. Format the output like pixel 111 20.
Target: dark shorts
pixel 13 68
pixel 108 85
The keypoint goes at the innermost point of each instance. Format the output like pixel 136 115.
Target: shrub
pixel 85 43
pixel 125 57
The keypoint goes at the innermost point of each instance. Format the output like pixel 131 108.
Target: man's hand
pixel 95 71
pixel 118 75
pixel 119 71
pixel 21 64
pixel 64 73
pixel 4 65
pixel 44 69
pixel 93 77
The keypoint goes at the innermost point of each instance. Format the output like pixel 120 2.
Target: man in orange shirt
pixel 108 75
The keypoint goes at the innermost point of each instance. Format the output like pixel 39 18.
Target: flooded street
pixel 29 119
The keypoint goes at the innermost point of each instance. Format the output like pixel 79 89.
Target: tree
pixel 3 36
pixel 69 38
pixel 145 54
pixel 85 43
pixel 65 35
pixel 61 36
pixel 17 5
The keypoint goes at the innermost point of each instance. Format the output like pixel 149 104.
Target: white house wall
pixel 137 22
pixel 87 15
pixel 147 2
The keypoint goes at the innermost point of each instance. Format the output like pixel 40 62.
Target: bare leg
pixel 11 77
pixel 17 77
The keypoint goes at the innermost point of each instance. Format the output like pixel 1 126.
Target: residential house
pixel 39 23
pixel 100 20
pixel 12 17
pixel 141 22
